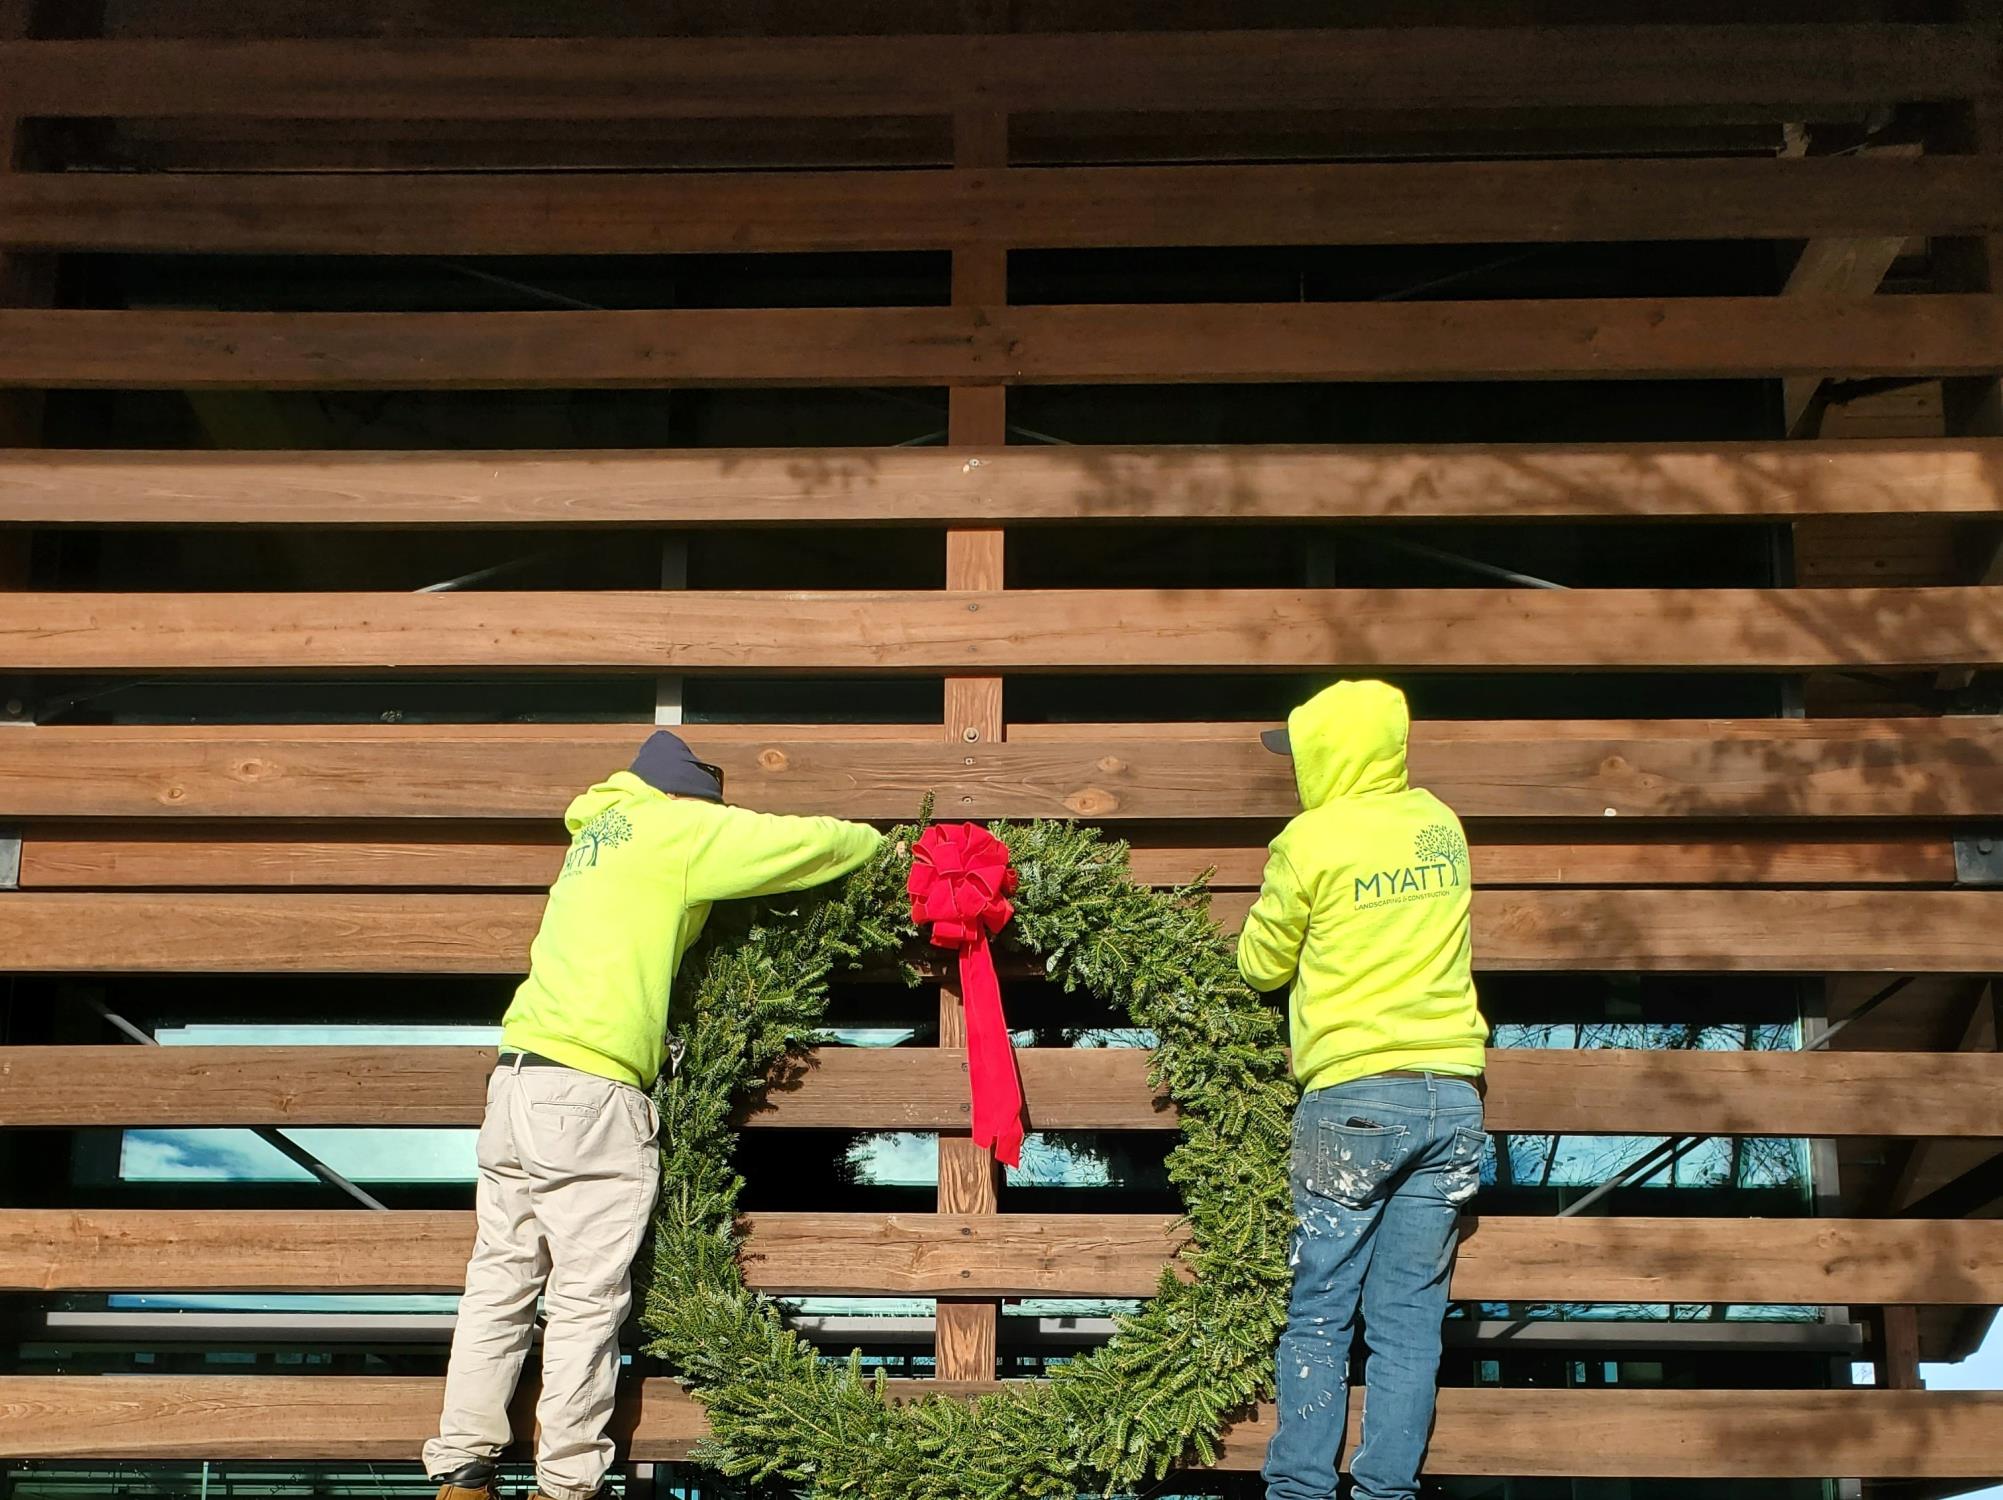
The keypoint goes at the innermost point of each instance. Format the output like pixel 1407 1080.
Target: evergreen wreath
pixel 1201 1350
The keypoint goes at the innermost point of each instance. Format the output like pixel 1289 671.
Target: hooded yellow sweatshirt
pixel 633 894
pixel 1364 909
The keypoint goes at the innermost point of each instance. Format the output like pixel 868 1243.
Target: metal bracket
pixel 16 706
pixel 10 859
pixel 1978 859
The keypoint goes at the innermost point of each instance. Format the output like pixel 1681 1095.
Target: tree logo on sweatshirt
pixel 608 830
pixel 1439 866
pixel 1441 844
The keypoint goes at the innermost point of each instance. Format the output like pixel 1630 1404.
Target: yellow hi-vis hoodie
pixel 1363 914
pixel 633 894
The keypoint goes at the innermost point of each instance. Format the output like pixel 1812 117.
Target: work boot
pixel 473 1481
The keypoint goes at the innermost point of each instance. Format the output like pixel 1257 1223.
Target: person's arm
pixel 742 853
pixel 1269 945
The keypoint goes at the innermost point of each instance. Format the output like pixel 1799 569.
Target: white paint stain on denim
pixel 1462 1177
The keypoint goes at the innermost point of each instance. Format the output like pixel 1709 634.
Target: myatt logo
pixel 1439 865
pixel 608 830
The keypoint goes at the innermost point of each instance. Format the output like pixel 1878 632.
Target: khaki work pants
pixel 569 1166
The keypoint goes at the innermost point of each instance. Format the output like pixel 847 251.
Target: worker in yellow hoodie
pixel 1363 919
pixel 569 1161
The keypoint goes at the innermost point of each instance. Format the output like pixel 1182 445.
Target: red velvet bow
pixel 960 884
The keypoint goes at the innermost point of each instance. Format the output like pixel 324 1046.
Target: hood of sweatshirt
pixel 1349 741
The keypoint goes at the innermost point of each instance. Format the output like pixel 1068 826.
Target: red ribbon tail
pixel 997 1087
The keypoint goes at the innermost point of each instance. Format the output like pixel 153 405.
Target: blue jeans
pixel 1380 1168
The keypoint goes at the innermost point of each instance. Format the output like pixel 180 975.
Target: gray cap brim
pixel 1276 741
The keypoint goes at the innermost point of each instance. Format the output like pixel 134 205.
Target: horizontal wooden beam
pixel 1544 1432
pixel 1782 67
pixel 1584 338
pixel 1515 931
pixel 487 213
pixel 990 486
pixel 81 856
pixel 1811 1261
pixel 1021 630
pixel 1685 769
pixel 1597 1092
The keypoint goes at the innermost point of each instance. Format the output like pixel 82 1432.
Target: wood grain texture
pixel 1688 769
pixel 985 486
pixel 721 213
pixel 1018 630
pixel 1461 68
pixel 1842 1095
pixel 1838 266
pixel 1607 1433
pixel 1683 337
pixel 1817 1261
pixel 1515 931
pixel 25 281
pixel 380 857
pixel 1919 1262
pixel 976 558
pixel 498 856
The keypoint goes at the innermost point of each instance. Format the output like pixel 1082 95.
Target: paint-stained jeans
pixel 1380 1169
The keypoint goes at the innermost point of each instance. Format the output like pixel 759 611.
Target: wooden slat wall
pixel 1023 1255
pixel 1034 630
pixel 1460 68
pixel 1784 846
pixel 989 204
pixel 1583 771
pixel 1607 1433
pixel 1516 931
pixel 1742 481
pixel 1610 1092
pixel 1354 203
pixel 1686 338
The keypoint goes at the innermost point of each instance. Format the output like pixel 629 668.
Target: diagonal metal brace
pixel 10 859
pixel 276 1139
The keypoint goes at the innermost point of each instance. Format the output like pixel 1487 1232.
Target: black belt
pixel 510 1060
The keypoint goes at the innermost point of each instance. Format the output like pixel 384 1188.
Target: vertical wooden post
pixel 1974 408
pixel 20 424
pixel 24 282
pixel 24 279
pixel 969 1179
pixel 1898 1334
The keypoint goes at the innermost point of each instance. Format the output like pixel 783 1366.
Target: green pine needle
pixel 751 1001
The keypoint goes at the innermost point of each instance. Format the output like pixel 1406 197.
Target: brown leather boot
pixel 474 1481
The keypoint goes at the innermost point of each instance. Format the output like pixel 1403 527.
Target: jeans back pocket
pixel 1462 1175
pixel 1352 1163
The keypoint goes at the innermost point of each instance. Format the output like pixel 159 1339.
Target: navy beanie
pixel 668 765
